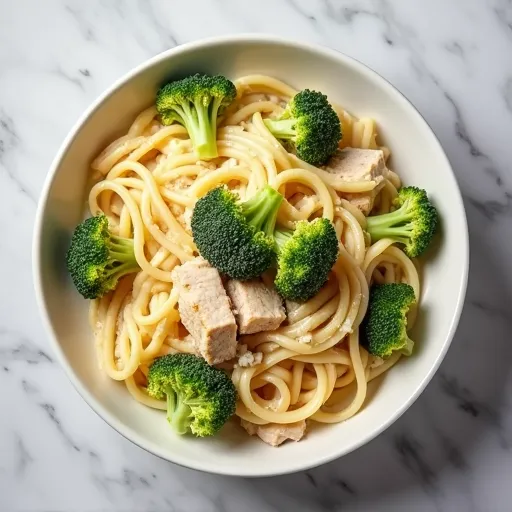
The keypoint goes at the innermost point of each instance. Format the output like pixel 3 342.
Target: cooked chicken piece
pixel 257 307
pixel 363 200
pixel 205 310
pixel 352 164
pixel 275 434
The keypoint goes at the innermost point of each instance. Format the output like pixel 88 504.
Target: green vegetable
pixel 200 397
pixel 385 323
pixel 195 102
pixel 305 258
pixel 236 237
pixel 413 223
pixel 97 259
pixel 310 126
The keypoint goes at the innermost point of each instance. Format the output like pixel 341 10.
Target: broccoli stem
pixel 262 209
pixel 214 111
pixel 391 225
pixel 407 350
pixel 281 236
pixel 121 246
pixel 120 269
pixel 282 129
pixel 178 412
pixel 201 126
pixel 185 114
pixel 389 219
pixel 400 233
pixel 121 257
pixel 205 136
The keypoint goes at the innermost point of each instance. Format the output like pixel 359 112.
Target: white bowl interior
pixel 416 156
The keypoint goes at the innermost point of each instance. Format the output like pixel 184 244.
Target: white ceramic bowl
pixel 416 155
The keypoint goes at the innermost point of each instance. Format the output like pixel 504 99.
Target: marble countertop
pixel 452 450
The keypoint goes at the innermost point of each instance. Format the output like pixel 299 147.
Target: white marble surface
pixel 452 450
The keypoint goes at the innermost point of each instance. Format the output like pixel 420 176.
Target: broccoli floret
pixel 309 125
pixel 385 323
pixel 195 102
pixel 413 223
pixel 97 259
pixel 305 258
pixel 236 237
pixel 200 397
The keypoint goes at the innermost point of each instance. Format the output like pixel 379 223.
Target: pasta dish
pixel 251 254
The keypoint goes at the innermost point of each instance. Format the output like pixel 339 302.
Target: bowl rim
pixel 103 412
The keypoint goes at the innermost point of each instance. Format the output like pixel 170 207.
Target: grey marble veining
pixel 452 450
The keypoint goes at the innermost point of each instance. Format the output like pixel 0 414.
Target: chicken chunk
pixel 275 434
pixel 205 310
pixel 257 307
pixel 364 201
pixel 353 165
